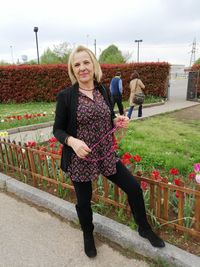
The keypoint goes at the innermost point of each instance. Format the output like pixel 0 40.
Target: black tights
pixel 123 179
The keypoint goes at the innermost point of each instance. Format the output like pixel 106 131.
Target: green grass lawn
pixel 164 143
pixel 25 108
pixel 39 108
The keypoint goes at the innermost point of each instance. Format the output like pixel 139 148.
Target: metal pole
pixel 11 48
pixel 38 58
pixel 36 30
pixel 138 42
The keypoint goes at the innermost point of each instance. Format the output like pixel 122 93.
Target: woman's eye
pixel 76 65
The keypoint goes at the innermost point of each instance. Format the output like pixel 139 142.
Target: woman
pixel 84 116
pixel 136 86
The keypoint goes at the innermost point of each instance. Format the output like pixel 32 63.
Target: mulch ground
pixel 187 114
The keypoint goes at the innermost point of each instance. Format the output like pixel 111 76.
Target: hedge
pixel 27 83
pixel 196 67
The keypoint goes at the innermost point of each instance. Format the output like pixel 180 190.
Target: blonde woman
pixel 85 118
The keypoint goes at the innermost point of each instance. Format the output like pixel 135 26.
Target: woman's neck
pixel 86 87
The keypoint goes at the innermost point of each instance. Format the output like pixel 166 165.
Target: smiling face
pixel 83 68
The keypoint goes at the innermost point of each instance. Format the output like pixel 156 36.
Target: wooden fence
pixel 37 168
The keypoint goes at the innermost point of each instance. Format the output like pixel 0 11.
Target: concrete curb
pixel 108 228
pixel 30 127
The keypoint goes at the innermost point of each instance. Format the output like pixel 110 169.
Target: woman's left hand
pixel 121 121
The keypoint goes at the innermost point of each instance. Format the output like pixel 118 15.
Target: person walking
pixel 116 89
pixel 136 86
pixel 84 123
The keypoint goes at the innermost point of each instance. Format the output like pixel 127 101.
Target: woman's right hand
pixel 79 147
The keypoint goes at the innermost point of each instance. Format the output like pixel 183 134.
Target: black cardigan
pixel 65 118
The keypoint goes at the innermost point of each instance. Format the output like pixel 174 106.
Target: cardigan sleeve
pixel 60 123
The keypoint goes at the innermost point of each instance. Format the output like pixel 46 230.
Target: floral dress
pixel 93 123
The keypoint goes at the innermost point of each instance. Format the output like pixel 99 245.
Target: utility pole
pixel 138 48
pixel 36 38
pixel 193 51
pixel 11 50
pixel 95 47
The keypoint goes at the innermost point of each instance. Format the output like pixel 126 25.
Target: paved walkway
pixel 32 238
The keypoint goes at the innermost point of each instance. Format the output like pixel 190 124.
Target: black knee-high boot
pixel 139 214
pixel 85 218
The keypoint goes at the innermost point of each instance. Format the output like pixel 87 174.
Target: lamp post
pixel 36 30
pixel 138 42
pixel 11 50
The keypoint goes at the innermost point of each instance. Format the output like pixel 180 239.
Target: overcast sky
pixel 167 27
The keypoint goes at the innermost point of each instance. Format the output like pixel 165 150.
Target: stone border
pixel 30 127
pixel 108 228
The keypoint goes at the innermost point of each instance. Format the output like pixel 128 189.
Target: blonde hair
pixel 97 68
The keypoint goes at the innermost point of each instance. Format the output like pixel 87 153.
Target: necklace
pixel 86 89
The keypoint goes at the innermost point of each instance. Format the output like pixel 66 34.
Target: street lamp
pixel 138 42
pixel 36 30
pixel 11 50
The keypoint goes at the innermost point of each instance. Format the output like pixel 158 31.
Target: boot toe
pixel 155 240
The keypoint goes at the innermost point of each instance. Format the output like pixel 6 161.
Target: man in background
pixel 116 90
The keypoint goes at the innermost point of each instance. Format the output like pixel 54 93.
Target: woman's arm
pixel 141 84
pixel 60 123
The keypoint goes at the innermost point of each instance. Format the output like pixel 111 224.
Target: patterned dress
pixel 93 123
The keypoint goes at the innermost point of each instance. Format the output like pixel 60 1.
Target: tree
pixel 4 63
pixel 112 55
pixel 62 51
pixel 197 61
pixel 59 54
pixel 49 57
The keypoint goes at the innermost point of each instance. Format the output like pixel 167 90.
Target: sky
pixel 167 28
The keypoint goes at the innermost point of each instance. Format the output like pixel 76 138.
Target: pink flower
pixel 197 167
pixel 197 178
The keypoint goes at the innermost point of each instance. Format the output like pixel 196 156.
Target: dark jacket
pixel 65 118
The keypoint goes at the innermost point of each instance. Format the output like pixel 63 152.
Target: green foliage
pixel 49 57
pixel 59 54
pixel 4 63
pixel 112 55
pixel 164 143
pixel 32 62
pixel 197 61
pixel 62 51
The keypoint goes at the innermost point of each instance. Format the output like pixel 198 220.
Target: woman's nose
pixel 82 67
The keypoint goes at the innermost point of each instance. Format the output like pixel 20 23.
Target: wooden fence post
pixel 197 210
pixel 33 168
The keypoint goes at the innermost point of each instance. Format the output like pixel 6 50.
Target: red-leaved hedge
pixel 196 67
pixel 42 82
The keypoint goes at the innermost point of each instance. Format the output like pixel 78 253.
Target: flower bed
pixel 168 198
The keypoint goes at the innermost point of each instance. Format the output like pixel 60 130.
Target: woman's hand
pixel 121 121
pixel 79 147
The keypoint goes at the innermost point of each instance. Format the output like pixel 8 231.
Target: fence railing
pixel 42 170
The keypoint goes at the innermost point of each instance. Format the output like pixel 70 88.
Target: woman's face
pixel 83 67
